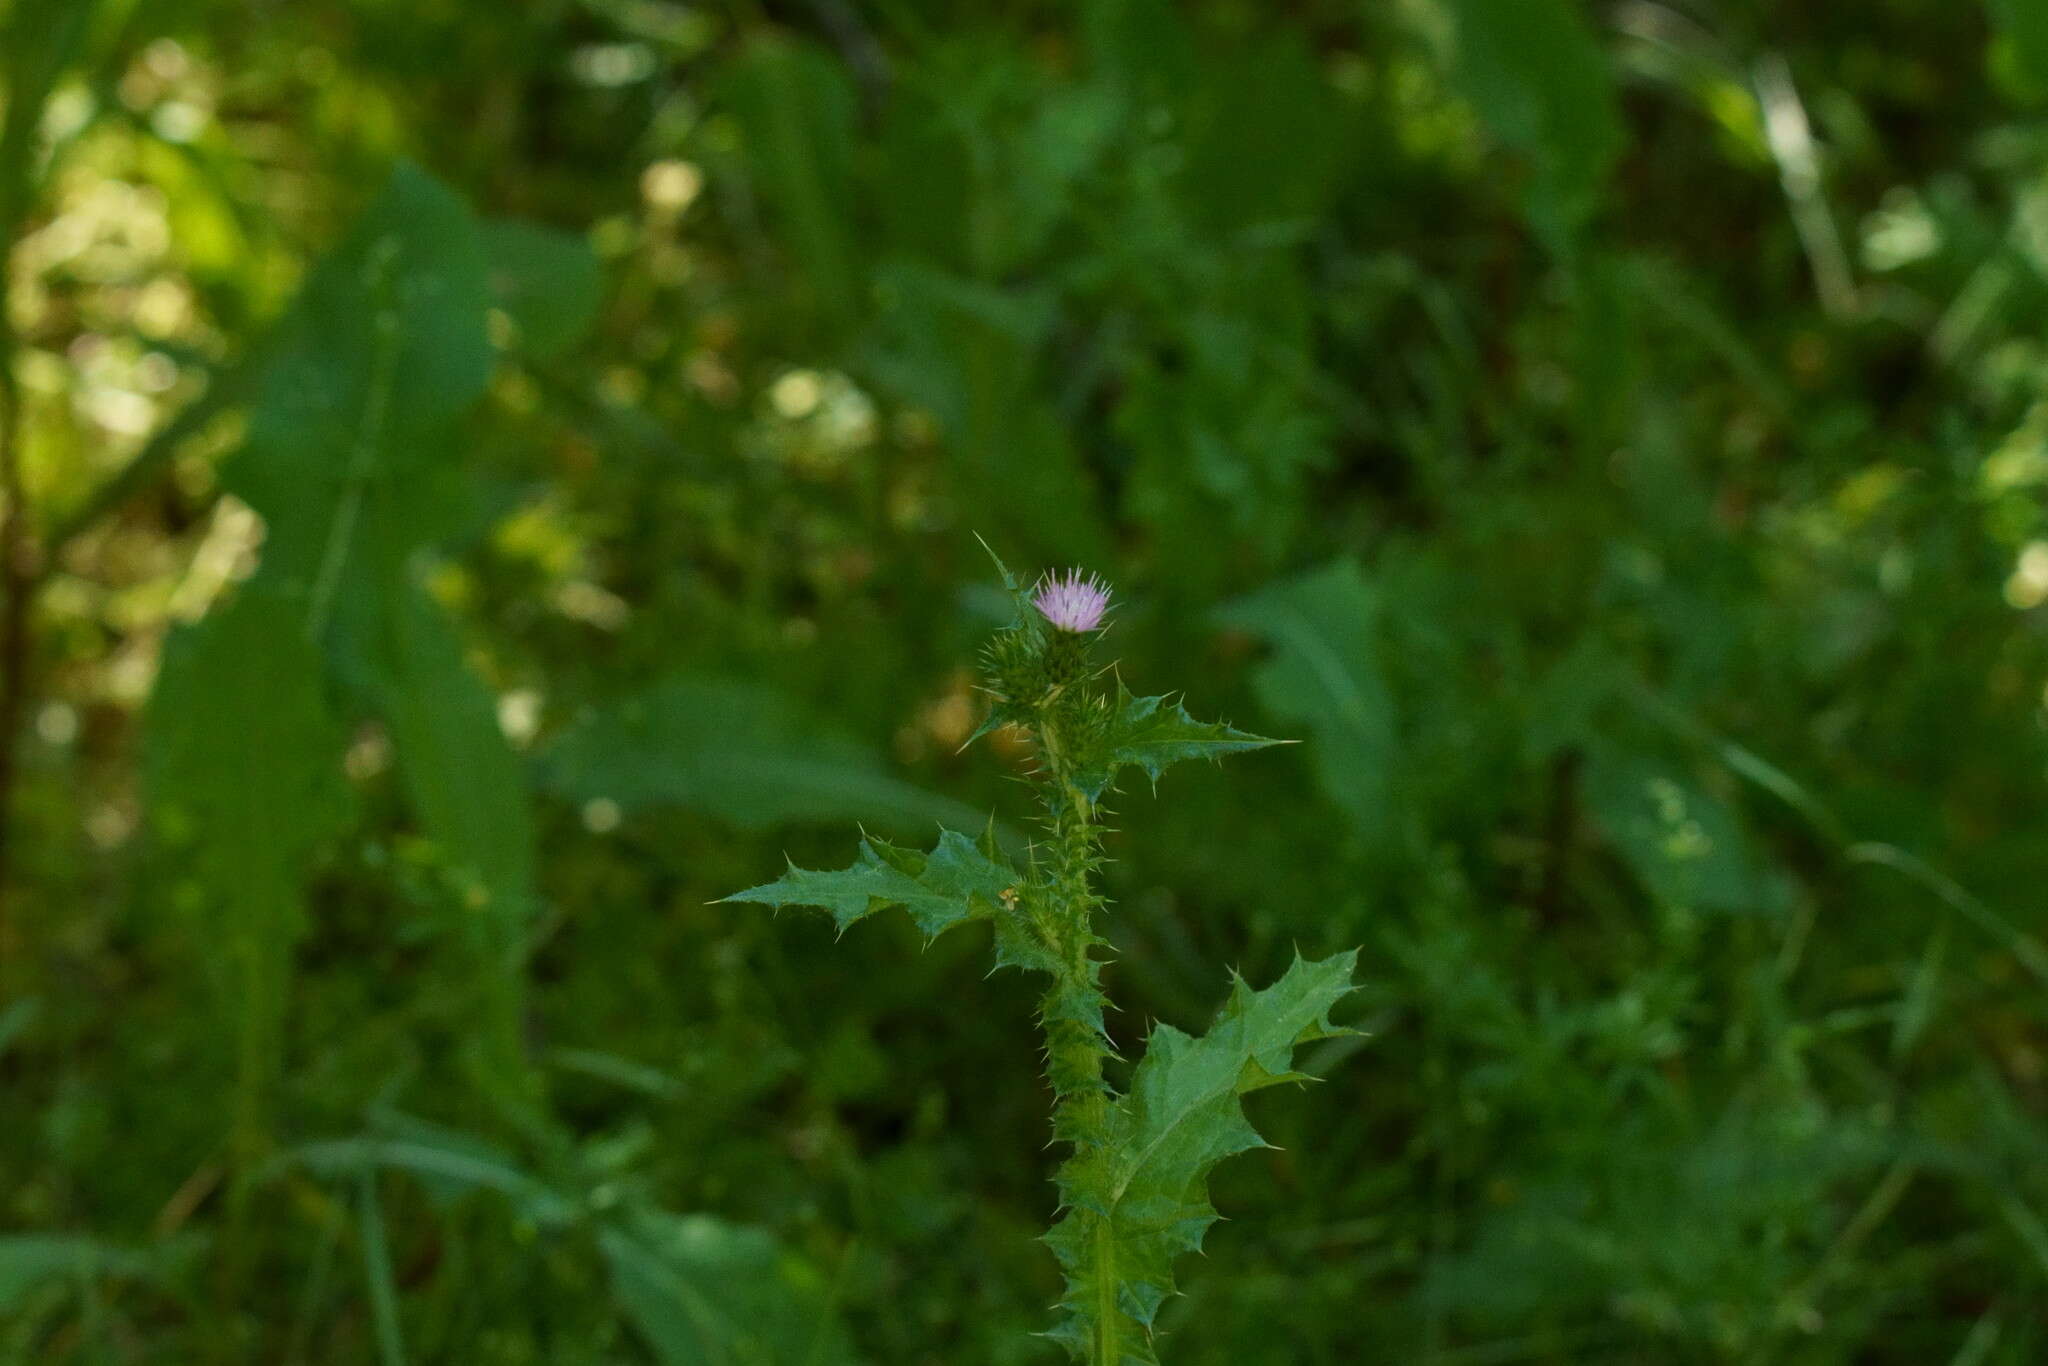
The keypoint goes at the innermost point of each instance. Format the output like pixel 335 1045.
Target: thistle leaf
pixel 1136 1197
pixel 1153 733
pixel 957 882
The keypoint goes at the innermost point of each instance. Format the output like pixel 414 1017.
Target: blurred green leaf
pixel 385 345
pixel 1536 74
pixel 700 1290
pixel 471 796
pixel 1325 674
pixel 704 1292
pixel 1687 846
pixel 460 775
pixel 244 763
pixel 740 751
pixel 444 1161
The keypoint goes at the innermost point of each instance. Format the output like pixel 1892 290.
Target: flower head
pixel 1072 603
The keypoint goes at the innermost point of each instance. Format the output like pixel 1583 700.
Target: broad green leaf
pixel 470 795
pixel 243 751
pixel 350 459
pixel 460 776
pixel 1325 674
pixel 958 881
pixel 1154 733
pixel 1131 1212
pixel 244 764
pixel 740 751
pixel 1536 75
pixel 704 1292
pixel 547 281
pixel 384 347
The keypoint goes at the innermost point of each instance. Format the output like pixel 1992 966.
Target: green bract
pixel 1134 1187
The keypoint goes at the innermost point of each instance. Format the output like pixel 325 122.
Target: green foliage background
pixel 484 481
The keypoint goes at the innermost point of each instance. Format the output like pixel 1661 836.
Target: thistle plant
pixel 1133 1188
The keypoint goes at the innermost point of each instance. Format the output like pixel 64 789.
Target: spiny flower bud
pixel 1072 603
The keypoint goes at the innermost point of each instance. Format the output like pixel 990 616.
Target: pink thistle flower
pixel 1072 603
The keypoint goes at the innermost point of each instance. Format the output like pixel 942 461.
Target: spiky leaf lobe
pixel 1139 1198
pixel 1154 733
pixel 959 880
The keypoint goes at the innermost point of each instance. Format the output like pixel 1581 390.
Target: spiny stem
pixel 1075 1047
